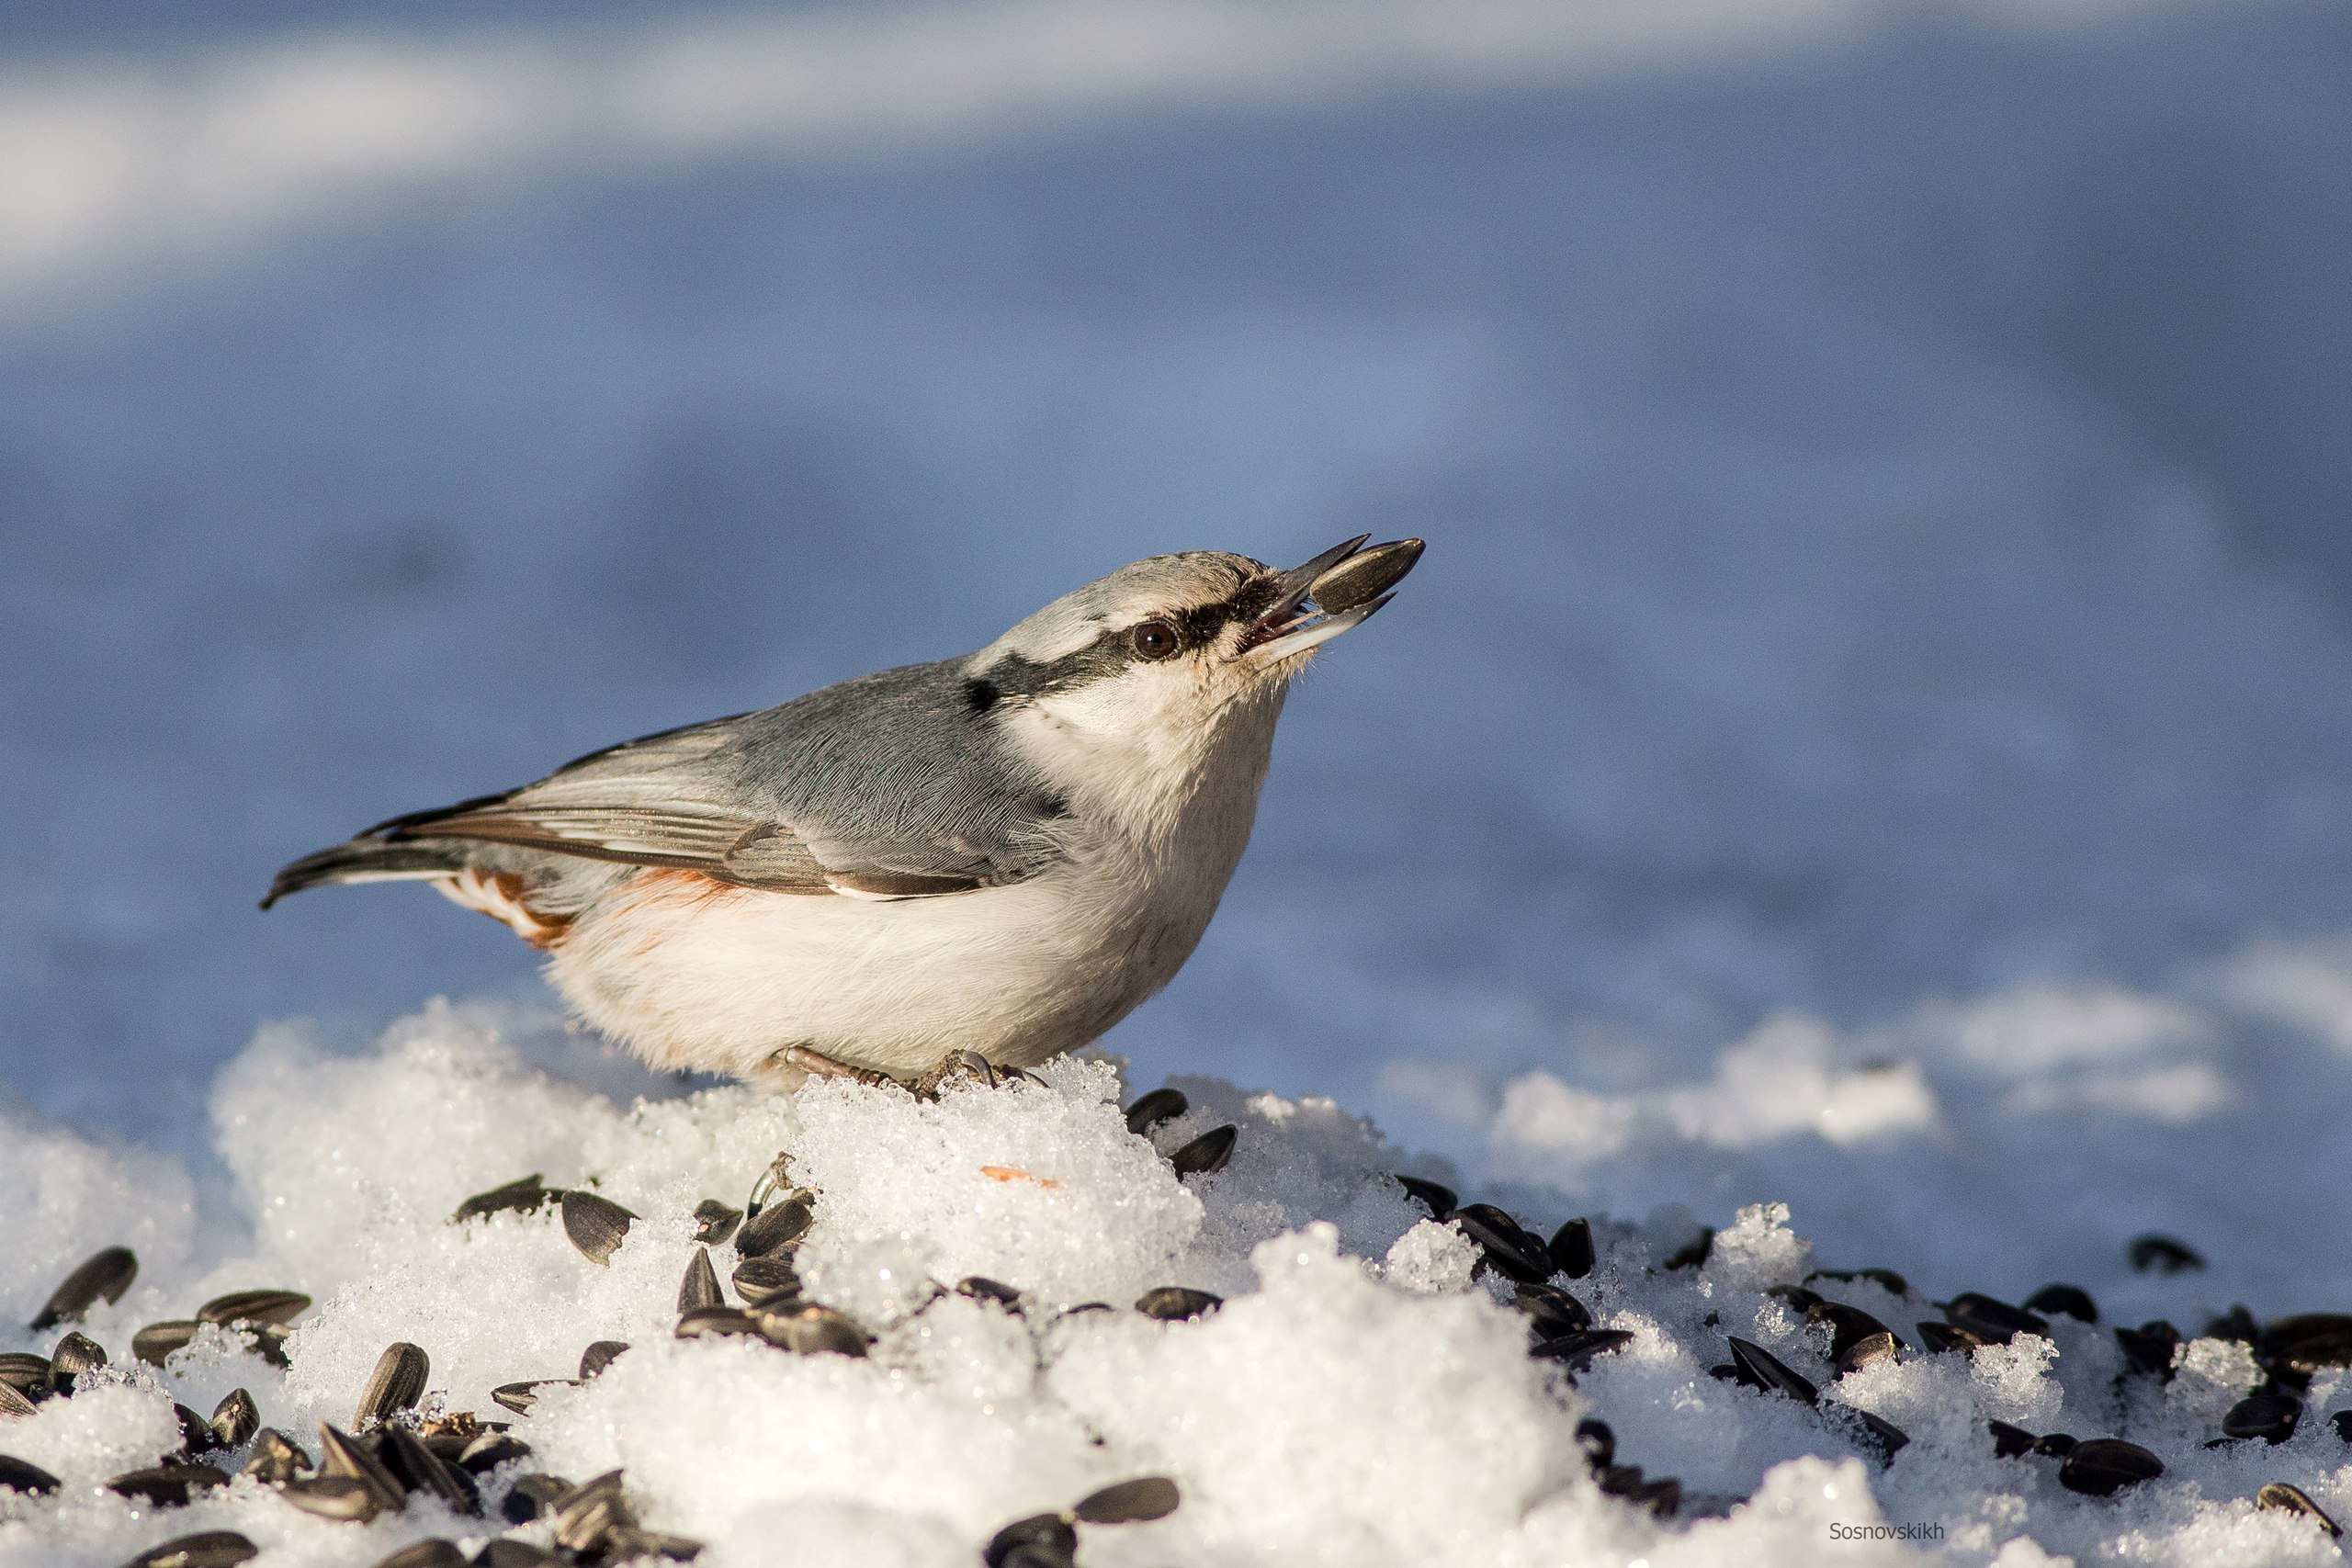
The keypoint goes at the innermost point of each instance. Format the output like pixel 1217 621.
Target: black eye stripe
pixel 1114 650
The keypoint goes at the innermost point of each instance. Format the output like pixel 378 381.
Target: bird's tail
pixel 367 858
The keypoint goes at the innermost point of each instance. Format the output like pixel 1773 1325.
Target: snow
pixel 1869 735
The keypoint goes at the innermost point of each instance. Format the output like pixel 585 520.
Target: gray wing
pixel 892 786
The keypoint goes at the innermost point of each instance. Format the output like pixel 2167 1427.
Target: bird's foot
pixel 817 1065
pixel 954 1065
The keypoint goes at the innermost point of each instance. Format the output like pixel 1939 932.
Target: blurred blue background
pixel 1885 468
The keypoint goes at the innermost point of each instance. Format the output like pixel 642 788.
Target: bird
pixel 966 866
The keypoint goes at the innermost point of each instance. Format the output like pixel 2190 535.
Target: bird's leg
pixel 818 1064
pixel 955 1064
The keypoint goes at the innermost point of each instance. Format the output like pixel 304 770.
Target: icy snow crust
pixel 1360 1398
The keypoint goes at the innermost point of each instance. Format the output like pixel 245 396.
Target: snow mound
pixel 1355 1382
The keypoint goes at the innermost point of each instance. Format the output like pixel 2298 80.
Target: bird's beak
pixel 1344 587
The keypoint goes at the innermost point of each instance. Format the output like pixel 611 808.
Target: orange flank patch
pixel 1007 1173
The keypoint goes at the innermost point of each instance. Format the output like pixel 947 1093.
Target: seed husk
pixel 2279 1495
pixel 342 1499
pixel 15 1403
pixel 589 1511
pixel 254 1307
pixel 715 1222
pixel 2072 1299
pixel 430 1553
pixel 596 1226
pixel 1039 1540
pixel 418 1468
pixel 599 1356
pixel 982 1288
pixel 520 1396
pixel 1759 1369
pixel 1176 1303
pixel 206 1549
pixel 533 1498
pixel 2270 1417
pixel 1571 1248
pixel 73 1356
pixel 521 1197
pixel 276 1459
pixel 2101 1467
pixel 397 1383
pixel 813 1330
pixel 1504 1243
pixel 777 1227
pixel 340 1453
pixel 235 1419
pixel 767 1281
pixel 1151 1110
pixel 102 1276
pixel 155 1343
pixel 488 1451
pixel 25 1372
pixel 702 1323
pixel 168 1485
pixel 1207 1154
pixel 2161 1254
pixel 1129 1501
pixel 25 1476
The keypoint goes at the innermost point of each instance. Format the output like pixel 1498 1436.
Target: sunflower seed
pixel 2072 1299
pixel 1364 576
pixel 340 1453
pixel 24 1476
pixel 397 1383
pixel 813 1330
pixel 276 1459
pixel 25 1372
pixel 1504 1243
pixel 715 1222
pixel 73 1356
pixel 982 1288
pixel 702 1323
pixel 1759 1369
pixel 13 1403
pixel 2056 1445
pixel 2342 1422
pixel 2235 1324
pixel 1551 1311
pixel 419 1469
pixel 1694 1253
pixel 2295 1500
pixel 269 1342
pixel 1995 1321
pixel 1885 1279
pixel 1176 1303
pixel 1434 1196
pixel 196 1432
pixel 1599 1442
pixel 1035 1543
pixel 1151 1110
pixel 1576 1352
pixel 1869 1350
pixel 155 1343
pixel 488 1451
pixel 2270 1417
pixel 102 1276
pixel 587 1513
pixel 2161 1254
pixel 430 1553
pixel 339 1497
pixel 700 1287
pixel 766 1281
pixel 206 1549
pixel 599 1356
pixel 520 1396
pixel 2150 1348
pixel 2008 1442
pixel 1941 1336
pixel 1571 1248
pixel 1129 1501
pixel 596 1226
pixel 1206 1155
pixel 2103 1466
pixel 505 1551
pixel 2307 1341
pixel 1882 1436
pixel 522 1197
pixel 533 1498
pixel 778 1226
pixel 254 1307
pixel 631 1543
pixel 168 1485
pixel 1848 1325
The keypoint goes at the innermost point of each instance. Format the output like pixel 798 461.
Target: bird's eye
pixel 1154 639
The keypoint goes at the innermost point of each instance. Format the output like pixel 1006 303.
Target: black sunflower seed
pixel 1434 1196
pixel 206 1549
pixel 487 1451
pixel 595 1225
pixel 102 1276
pixel 2057 1445
pixel 15 1403
pixel 1576 1352
pixel 1151 1110
pixel 1598 1441
pixel 269 1342
pixel 715 1222
pixel 2070 1300
pixel 155 1343
pixel 25 1476
pixel 589 1512
pixel 1878 1434
pixel 702 1323
pixel 342 1499
pixel 2295 1500
pixel 813 1330
pixel 767 1281
pixel 2306 1342
pixel 1797 1296
pixel 430 1553
pixel 1885 1279
pixel 1759 1369
pixel 1661 1496
pixel 522 1197
pixel 633 1543
pixel 397 1383
pixel 700 1286
pixel 2342 1422
pixel 774 1227
pixel 2270 1417
pixel 2009 1441
pixel 2161 1254
pixel 419 1469
pixel 1551 1311
pixel 1996 1322
pixel 1206 1153
pixel 196 1432
pixel 1694 1253
pixel 1129 1501
pixel 1504 1243
pixel 1869 1350
pixel 342 1455
pixel 599 1356
pixel 506 1551
pixel 2149 1347
pixel 1175 1304
pixel 1571 1248
pixel 980 1287
pixel 2235 1324
pixel 235 1419
pixel 254 1307
pixel 1039 1541
pixel 520 1396
pixel 275 1458
pixel 2103 1466
pixel 73 1356
pixel 168 1485
pixel 534 1497
pixel 1941 1336
pixel 1848 1325
pixel 25 1372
